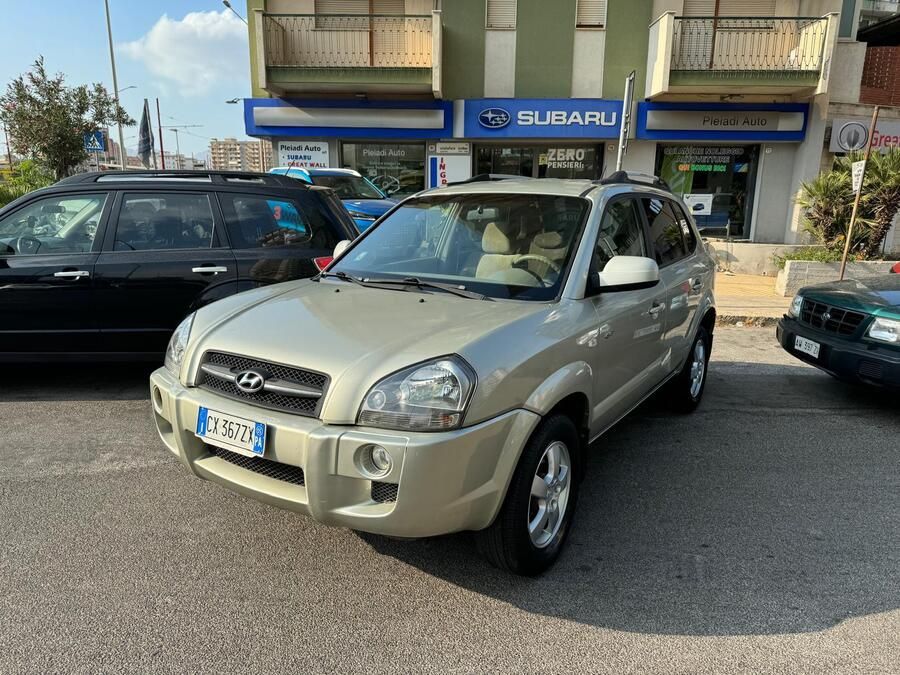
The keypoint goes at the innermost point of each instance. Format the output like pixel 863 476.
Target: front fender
pixel 574 378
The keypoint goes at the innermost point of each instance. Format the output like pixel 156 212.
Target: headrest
pixel 495 240
pixel 549 240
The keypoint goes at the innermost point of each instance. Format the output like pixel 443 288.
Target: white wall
pixel 587 63
pixel 772 201
pixel 846 71
pixel 807 165
pixel 500 63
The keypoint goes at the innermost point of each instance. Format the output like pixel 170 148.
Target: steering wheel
pixel 531 256
pixel 27 245
pixel 388 184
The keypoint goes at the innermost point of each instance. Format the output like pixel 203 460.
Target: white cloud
pixel 196 52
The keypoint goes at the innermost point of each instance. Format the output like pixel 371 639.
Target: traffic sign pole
pixel 856 199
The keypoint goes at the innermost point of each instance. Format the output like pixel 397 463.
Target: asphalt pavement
pixel 760 534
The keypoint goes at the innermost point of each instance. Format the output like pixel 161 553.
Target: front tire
pixel 686 389
pixel 534 521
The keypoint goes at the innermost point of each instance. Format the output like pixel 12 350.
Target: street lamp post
pixel 234 11
pixel 112 61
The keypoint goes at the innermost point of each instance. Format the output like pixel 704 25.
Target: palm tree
pixel 882 191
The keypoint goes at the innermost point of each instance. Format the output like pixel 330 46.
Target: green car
pixel 850 329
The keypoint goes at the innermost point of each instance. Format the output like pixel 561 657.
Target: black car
pixel 849 328
pixel 107 264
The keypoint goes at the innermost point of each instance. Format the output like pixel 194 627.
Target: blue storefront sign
pixel 586 118
pixel 343 118
pixel 724 122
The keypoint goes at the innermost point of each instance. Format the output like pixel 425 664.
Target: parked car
pixel 850 329
pixel 108 264
pixel 364 201
pixel 448 371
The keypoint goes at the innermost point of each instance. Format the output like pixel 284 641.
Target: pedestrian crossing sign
pixel 94 141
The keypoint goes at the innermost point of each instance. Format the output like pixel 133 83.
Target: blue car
pixel 365 202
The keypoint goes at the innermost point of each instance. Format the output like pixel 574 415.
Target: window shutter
pixel 699 8
pixel 745 8
pixel 342 6
pixel 501 13
pixel 391 7
pixel 591 14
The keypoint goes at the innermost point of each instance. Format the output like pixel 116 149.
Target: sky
pixel 191 54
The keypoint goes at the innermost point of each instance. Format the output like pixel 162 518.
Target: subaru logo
pixel 493 118
pixel 826 316
pixel 250 381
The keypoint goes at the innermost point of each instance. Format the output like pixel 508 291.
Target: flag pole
pixel 162 153
pixel 859 192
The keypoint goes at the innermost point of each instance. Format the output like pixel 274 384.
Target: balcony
pixel 348 53
pixel 789 56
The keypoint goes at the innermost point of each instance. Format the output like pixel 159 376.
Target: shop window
pixel 542 161
pixel 397 169
pixel 501 14
pixel 590 14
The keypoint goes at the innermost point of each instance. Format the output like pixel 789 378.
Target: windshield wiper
pixel 419 283
pixel 343 276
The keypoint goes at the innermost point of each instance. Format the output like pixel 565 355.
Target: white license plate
pixel 801 344
pixel 232 433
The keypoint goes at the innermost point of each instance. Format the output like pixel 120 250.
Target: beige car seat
pixel 498 257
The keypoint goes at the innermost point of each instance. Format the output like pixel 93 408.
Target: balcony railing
pixel 763 45
pixel 348 41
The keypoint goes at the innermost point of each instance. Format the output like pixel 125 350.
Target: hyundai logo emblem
pixel 250 381
pixel 493 118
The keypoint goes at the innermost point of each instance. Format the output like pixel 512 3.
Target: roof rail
pixel 634 178
pixel 175 176
pixel 487 177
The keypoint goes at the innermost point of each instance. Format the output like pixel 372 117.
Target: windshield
pixel 499 245
pixel 349 187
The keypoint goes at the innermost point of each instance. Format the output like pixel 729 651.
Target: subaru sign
pixel 493 118
pixel 541 118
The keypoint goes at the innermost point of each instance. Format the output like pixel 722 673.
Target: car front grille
pixel 220 379
pixel 265 467
pixel 830 319
pixel 384 492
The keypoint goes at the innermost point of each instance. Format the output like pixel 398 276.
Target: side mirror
pixel 340 247
pixel 625 273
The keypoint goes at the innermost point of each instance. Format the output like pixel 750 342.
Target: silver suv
pixel 450 368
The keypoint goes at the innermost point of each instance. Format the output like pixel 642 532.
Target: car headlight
pixel 177 346
pixel 430 396
pixel 796 304
pixel 885 330
pixel 359 214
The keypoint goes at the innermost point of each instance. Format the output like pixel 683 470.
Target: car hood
pixel 353 334
pixel 371 207
pixel 874 295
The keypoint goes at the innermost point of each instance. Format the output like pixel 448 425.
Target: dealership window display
pixel 397 169
pixel 541 161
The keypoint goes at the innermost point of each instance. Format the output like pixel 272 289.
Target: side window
pixel 620 233
pixel 262 221
pixel 63 224
pixel 160 221
pixel 666 232
pixel 690 239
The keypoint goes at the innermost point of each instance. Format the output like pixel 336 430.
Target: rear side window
pixel 265 221
pixel 668 230
pixel 161 221
pixel 620 233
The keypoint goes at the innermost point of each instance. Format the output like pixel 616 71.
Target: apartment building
pixel 230 154
pixel 731 103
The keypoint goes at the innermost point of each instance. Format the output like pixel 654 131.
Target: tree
pixel 882 190
pixel 48 119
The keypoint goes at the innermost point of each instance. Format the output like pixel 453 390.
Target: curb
pixel 746 321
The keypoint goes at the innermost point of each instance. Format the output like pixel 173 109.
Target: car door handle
pixel 655 309
pixel 209 269
pixel 72 274
pixel 697 284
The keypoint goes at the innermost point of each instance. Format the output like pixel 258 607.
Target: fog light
pixel 375 461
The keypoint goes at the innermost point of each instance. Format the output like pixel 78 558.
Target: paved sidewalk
pixel 748 298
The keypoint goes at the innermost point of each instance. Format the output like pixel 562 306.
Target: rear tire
pixel 534 521
pixel 685 391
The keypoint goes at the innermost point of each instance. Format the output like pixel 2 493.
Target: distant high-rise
pixel 230 154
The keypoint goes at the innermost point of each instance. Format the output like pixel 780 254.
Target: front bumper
pixel 445 482
pixel 850 359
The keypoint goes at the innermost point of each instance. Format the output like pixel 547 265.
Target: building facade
pixel 230 154
pixel 731 97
